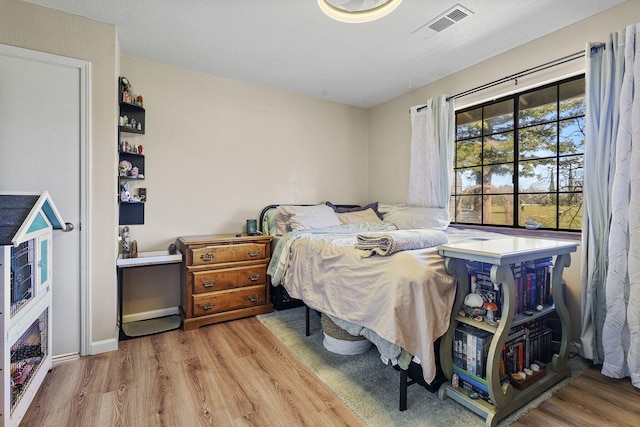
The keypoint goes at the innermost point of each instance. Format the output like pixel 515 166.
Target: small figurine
pixel 491 308
pixel 126 89
pixel 134 249
pixel 125 195
pixel 532 224
pixel 473 306
pixel 126 242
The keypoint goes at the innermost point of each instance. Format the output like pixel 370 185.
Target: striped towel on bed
pixel 390 242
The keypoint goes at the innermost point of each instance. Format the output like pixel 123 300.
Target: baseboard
pixel 105 346
pixel 62 358
pixel 134 317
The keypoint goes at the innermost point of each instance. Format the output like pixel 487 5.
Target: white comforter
pixel 405 298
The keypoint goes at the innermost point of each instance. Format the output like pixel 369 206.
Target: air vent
pixel 443 21
pixel 457 13
pixel 441 24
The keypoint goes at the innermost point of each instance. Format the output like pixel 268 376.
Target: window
pixel 521 157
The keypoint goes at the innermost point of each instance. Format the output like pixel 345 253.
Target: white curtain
pixel 611 230
pixel 432 139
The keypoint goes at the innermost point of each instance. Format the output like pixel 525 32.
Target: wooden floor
pixel 230 374
pixel 238 374
pixel 592 399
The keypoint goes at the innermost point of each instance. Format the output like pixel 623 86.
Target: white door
pixel 41 141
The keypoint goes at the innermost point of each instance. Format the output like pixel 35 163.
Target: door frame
pixel 84 227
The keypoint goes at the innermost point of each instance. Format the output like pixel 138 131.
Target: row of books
pixel 471 382
pixel 526 343
pixel 532 284
pixel 470 352
pixel 470 349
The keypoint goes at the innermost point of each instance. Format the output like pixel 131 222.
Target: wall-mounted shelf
pixel 131 126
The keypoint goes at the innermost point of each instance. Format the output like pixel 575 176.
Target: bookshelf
pixel 502 254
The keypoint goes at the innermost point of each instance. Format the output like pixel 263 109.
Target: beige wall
pixel 218 150
pixel 390 127
pixel 37 28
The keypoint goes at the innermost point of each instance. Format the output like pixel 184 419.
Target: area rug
pixel 370 388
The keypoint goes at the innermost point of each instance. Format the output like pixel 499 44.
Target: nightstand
pixel 223 277
pixel 504 256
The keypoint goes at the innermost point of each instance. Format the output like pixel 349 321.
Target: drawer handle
pixel 207 306
pixel 254 253
pixel 254 297
pixel 209 284
pixel 207 257
pixel 254 277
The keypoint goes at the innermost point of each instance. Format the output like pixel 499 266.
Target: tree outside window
pixel 521 157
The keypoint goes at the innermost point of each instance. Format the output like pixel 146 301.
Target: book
pixel 516 269
pixel 469 381
pixel 474 380
pixel 475 344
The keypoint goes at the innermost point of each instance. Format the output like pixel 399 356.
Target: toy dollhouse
pixel 27 221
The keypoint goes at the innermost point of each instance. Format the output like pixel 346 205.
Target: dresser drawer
pixel 216 254
pixel 231 299
pixel 228 278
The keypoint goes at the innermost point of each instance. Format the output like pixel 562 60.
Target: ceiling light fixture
pixel 356 11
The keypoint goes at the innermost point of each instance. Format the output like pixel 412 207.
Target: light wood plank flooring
pixel 238 374
pixel 229 374
pixel 592 399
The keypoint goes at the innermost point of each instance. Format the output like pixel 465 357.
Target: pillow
pixel 307 217
pixel 408 217
pixel 270 224
pixel 358 216
pixel 373 206
pixel 281 224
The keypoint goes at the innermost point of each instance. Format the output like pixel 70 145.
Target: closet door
pixel 40 149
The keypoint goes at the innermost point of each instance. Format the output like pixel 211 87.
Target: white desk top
pixel 507 250
pixel 149 258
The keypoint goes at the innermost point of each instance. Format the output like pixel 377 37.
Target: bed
pixel 400 298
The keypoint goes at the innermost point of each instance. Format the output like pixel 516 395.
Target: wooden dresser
pixel 223 277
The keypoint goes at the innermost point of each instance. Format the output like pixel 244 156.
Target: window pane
pixel 571 211
pixel 571 173
pixel 537 176
pixel 469 209
pixel 469 180
pixel 469 124
pixel 538 207
pixel 499 210
pixel 538 141
pixel 498 178
pixel 540 168
pixel 498 117
pixel 572 99
pixel 572 136
pixel 498 148
pixel 538 106
pixel 468 153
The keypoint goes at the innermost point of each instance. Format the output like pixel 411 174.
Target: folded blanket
pixel 390 242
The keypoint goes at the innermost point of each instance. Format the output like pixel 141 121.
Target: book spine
pixel 471 353
pixel 472 379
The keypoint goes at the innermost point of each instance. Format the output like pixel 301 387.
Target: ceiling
pixel 291 45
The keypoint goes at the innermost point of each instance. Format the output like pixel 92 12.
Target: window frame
pixel 516 128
